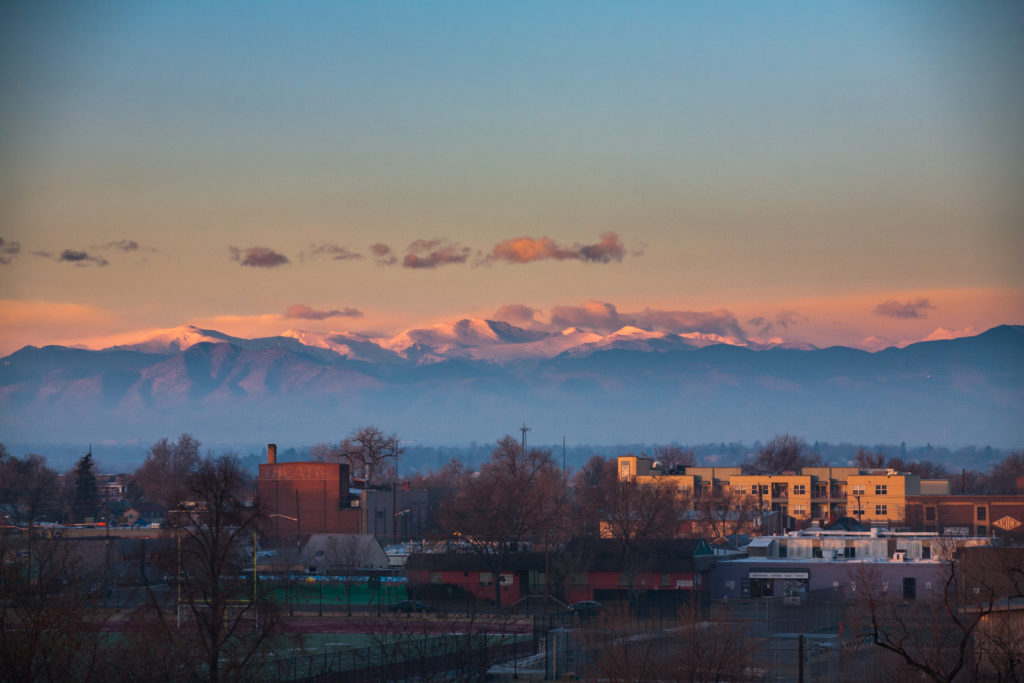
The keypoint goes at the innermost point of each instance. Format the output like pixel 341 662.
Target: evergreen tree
pixel 86 498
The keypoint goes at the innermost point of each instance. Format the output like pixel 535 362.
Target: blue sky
pixel 820 159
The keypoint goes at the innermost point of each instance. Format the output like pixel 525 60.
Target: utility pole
pixel 524 429
pixel 564 472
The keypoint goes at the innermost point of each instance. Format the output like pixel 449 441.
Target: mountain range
pixel 478 379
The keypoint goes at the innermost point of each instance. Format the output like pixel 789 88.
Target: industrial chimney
pixel 272 453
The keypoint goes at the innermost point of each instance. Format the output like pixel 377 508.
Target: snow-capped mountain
pixel 478 379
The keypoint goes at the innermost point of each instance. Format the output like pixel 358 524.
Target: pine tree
pixel 86 492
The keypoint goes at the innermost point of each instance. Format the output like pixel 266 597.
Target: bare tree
pixel 784 453
pixel 164 474
pixel 955 635
pixel 48 629
pixel 673 455
pixel 516 497
pixel 722 513
pixel 367 451
pixel 29 488
pixel 593 485
pixel 634 514
pixel 228 622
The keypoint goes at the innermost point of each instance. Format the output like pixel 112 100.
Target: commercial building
pixel 967 515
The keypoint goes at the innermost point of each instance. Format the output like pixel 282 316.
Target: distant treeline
pixel 423 459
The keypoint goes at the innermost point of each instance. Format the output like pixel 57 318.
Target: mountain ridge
pixel 625 386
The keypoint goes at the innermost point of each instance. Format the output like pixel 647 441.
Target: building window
pixel 857 490
pixel 909 588
pixel 799 489
pixel 982 530
pixel 623 579
pixel 759 488
pixel 881 509
pixel 666 580
pixel 858 513
pixel 981 514
pixel 850 552
pixel 881 489
pixel 486 579
pixel 816 551
pixel 624 469
pixel 739 490
pixel 436 577
pixel 578 578
pixel 926 552
pixel 929 514
pixel 821 490
pixel 799 510
pixel 783 550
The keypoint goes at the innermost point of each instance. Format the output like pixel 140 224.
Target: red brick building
pixel 969 515
pixel 671 571
pixel 307 497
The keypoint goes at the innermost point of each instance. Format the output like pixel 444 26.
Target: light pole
pixel 394 504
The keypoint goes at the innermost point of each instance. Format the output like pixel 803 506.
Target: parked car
pixel 585 609
pixel 408 606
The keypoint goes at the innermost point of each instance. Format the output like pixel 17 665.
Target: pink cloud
pixel 528 249
pixel 333 251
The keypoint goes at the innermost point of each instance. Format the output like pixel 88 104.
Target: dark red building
pixel 307 497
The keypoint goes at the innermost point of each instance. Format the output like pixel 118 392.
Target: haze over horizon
pixel 843 174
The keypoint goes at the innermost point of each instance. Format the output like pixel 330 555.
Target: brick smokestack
pixel 272 453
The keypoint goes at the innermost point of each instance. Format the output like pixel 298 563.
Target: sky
pixel 827 173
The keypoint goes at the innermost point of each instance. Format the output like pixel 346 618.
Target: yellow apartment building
pixel 824 494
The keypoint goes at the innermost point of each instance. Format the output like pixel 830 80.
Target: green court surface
pixel 333 593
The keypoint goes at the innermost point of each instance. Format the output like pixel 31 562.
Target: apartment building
pixel 824 494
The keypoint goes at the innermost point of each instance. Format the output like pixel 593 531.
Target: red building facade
pixel 967 515
pixel 307 497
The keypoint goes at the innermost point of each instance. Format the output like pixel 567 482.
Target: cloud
pixel 904 311
pixel 383 254
pixel 8 250
pixel 308 313
pixel 333 251
pixel 434 253
pixel 527 249
pixel 79 258
pixel 783 320
pixel 604 317
pixel 517 314
pixel 123 245
pixel 258 257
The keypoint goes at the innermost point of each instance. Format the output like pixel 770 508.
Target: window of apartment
pixel 739 490
pixel 929 514
pixel 881 509
pixel 858 513
pixel 857 490
pixel 926 552
pixel 881 489
pixel 799 510
pixel 764 489
pixel 624 469
pixel 486 579
pixel 799 489
pixel 850 552
pixel 980 516
pixel 821 490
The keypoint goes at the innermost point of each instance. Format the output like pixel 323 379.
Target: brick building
pixel 307 497
pixel 968 515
